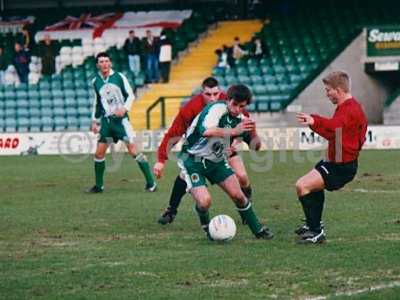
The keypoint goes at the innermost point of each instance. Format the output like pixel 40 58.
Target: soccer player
pixel 113 100
pixel 210 92
pixel 203 156
pixel 345 133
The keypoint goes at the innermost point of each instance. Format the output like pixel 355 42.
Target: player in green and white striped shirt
pixel 203 156
pixel 113 100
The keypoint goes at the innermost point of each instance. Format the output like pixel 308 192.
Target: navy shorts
pixel 336 175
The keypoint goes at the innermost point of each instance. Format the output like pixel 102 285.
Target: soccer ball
pixel 222 228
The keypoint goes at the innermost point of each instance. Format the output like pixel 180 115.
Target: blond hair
pixel 338 79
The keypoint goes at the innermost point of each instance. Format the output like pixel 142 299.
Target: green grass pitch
pixel 58 243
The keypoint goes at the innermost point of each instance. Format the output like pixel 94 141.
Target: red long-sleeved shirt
pixel 345 131
pixel 181 123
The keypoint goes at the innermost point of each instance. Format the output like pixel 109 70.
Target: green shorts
pixel 116 129
pixel 196 170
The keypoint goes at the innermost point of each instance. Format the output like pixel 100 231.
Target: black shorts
pixel 336 175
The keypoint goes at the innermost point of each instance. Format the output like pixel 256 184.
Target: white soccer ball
pixel 222 228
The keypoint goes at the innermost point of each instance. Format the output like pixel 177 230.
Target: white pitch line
pixel 377 191
pixel 360 291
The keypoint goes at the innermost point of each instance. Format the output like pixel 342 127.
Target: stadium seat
pixel 58 103
pixel 60 123
pixel 22 112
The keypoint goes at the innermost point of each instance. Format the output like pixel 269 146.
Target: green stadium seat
pixel 21 87
pixel 68 84
pixel 22 112
pixel 72 123
pixel 259 89
pixel 84 123
pixel 69 93
pixel 34 122
pixel 254 70
pixel 46 102
pixel 58 112
pixel 34 112
pixel 10 123
pixel 22 94
pixel 33 94
pixel 270 78
pixel 70 102
pixel 44 93
pixel 10 95
pixel 230 79
pixel 71 112
pixel 58 103
pixel 44 86
pixel 84 102
pixel 47 124
pixel 22 103
pixel 46 112
pixel 243 79
pixel 84 112
pixel 57 93
pixel 60 123
pixel 10 112
pixel 262 106
pixel 11 103
pixel 272 88
pixel 23 124
pixel 80 84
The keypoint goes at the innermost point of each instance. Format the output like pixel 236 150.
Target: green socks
pixel 204 217
pixel 145 168
pixel 248 214
pixel 99 167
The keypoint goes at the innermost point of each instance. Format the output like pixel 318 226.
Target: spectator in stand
pixel 229 55
pixel 165 57
pixel 3 65
pixel 48 52
pixel 21 62
pixel 258 49
pixel 133 49
pixel 26 42
pixel 237 50
pixel 151 52
pixel 222 63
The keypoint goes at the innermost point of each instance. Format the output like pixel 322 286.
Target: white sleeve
pixel 213 116
pixel 131 97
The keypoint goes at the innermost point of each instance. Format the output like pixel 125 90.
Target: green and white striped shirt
pixel 111 93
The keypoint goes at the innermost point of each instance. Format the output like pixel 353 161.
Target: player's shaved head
pixel 210 82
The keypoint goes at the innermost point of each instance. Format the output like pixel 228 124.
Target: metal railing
pixel 160 101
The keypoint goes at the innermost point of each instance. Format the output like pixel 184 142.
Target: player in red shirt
pixel 210 92
pixel 345 133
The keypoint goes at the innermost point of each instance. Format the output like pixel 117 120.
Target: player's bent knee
pixel 243 179
pixel 301 188
pixel 204 203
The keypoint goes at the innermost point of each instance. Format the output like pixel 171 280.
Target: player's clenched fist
pixel 95 127
pixel 158 169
